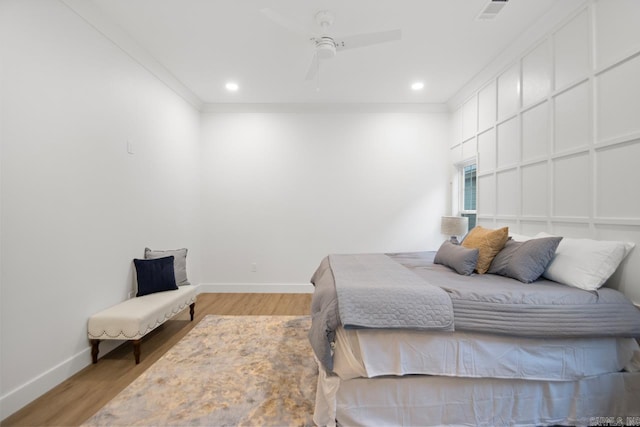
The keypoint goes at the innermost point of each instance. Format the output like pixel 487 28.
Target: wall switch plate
pixel 254 267
pixel 130 147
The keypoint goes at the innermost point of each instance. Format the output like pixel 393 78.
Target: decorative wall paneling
pixel 557 134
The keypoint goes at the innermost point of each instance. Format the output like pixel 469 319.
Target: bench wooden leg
pixel 192 310
pixel 94 350
pixel 136 350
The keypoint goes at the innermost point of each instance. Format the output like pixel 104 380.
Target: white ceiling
pixel 205 43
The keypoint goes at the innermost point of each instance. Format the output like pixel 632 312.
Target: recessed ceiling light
pixel 417 86
pixel 232 87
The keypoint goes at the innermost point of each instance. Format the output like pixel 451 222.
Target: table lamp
pixel 454 226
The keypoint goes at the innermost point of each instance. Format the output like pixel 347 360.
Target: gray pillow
pixel 179 262
pixel 462 260
pixel 524 261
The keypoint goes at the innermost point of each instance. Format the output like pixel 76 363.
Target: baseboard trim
pixel 260 288
pixel 21 396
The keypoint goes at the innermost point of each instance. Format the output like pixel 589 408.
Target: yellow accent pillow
pixel 488 242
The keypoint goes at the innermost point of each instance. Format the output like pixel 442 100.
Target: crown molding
pixel 339 108
pixel 97 19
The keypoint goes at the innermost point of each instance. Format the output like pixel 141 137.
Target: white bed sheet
pixel 433 400
pixel 371 353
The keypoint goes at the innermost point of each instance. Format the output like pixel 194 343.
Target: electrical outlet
pixel 254 267
pixel 131 294
pixel 130 147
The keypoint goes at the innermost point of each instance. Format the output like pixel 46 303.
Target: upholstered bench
pixel 134 318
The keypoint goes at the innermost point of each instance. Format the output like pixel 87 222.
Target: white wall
pixel 282 190
pixel 76 206
pixel 557 134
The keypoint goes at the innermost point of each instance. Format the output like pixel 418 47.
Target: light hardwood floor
pixel 79 397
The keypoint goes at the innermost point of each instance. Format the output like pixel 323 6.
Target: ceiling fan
pixel 326 45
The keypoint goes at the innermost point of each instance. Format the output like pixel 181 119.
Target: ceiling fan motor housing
pixel 325 47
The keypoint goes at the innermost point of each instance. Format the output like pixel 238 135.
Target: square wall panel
pixel 508 143
pixel 572 119
pixel 617 29
pixel 535 132
pixel 531 228
pixel 619 99
pixel 486 222
pixel 617 185
pixel 487 151
pixel 571 51
pixel 487 107
pixel 469 118
pixel 571 229
pixel 508 193
pixel 512 225
pixel 534 189
pixel 469 149
pixel 571 185
pixel 536 74
pixel 486 195
pixel 509 92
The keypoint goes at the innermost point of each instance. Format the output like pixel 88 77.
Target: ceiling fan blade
pixel 285 22
pixel 361 40
pixel 313 67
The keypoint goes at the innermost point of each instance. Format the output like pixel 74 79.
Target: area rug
pixel 227 371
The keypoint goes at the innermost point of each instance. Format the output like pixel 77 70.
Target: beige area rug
pixel 227 371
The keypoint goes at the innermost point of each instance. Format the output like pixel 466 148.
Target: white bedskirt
pixel 419 400
pixel 372 353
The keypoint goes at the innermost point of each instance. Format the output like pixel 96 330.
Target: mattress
pixel 371 353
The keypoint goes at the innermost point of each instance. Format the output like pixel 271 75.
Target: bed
pixel 497 351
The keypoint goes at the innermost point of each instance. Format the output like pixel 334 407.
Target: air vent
pixel 491 10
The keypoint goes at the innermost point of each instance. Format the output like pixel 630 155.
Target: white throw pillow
pixel 585 263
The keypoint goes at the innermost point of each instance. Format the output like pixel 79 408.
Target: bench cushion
pixel 135 317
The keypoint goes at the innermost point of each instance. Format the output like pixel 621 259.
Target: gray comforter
pixel 374 291
pixel 488 303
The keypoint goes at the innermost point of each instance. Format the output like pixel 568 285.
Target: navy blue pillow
pixel 155 275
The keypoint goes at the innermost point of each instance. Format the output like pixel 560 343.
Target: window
pixel 468 193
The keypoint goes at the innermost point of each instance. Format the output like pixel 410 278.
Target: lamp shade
pixel 454 225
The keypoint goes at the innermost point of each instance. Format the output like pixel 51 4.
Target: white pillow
pixel 520 237
pixel 585 263
pixel 179 262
